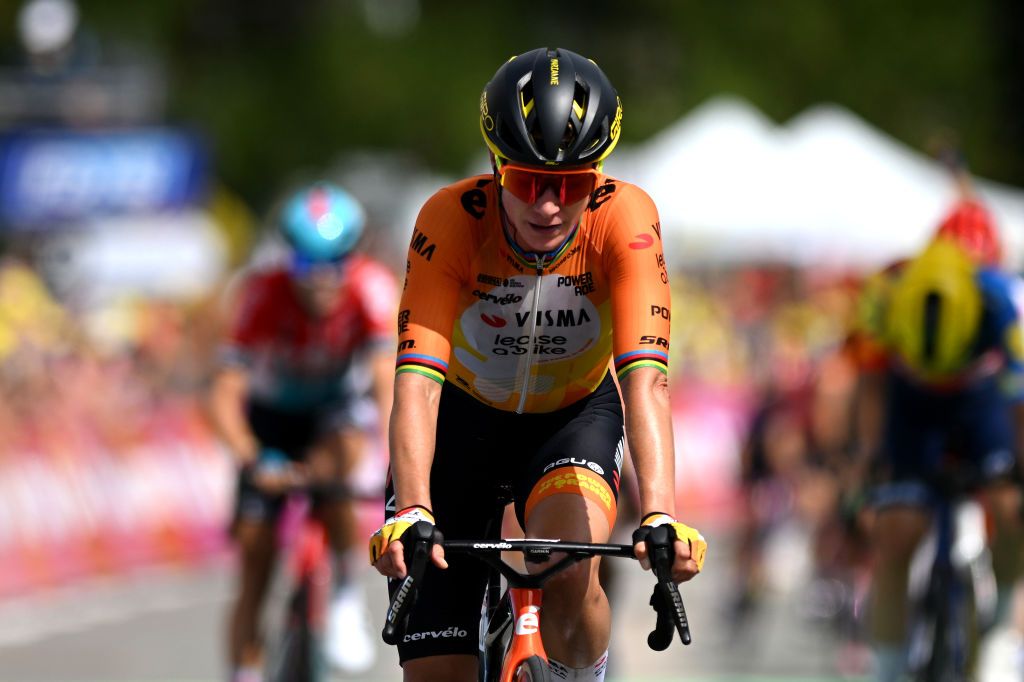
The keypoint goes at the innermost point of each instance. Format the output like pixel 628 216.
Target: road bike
pixel 955 600
pixel 510 644
pixel 297 654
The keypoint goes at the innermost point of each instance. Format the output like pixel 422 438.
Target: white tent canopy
pixel 824 188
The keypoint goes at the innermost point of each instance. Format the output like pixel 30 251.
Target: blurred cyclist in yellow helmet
pixel 942 374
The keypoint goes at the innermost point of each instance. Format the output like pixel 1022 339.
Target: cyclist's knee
pixel 898 531
pixel 1003 500
pixel 573 588
pixel 255 540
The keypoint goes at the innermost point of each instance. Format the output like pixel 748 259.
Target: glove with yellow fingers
pixel 698 545
pixel 394 527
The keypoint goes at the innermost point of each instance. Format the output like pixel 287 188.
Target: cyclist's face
pixel 543 225
pixel 319 288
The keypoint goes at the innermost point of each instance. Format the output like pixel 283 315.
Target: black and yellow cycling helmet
pixel 935 311
pixel 550 107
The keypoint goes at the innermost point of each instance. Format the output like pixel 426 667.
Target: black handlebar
pixel 666 600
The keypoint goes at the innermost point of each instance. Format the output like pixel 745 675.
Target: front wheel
pixel 533 669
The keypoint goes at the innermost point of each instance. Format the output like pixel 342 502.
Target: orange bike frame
pixel 526 630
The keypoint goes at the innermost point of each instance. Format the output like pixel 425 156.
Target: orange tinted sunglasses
pixel 528 184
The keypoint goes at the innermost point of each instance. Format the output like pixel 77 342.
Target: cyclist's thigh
pixel 569 517
pixel 984 419
pixel 336 454
pixel 914 440
pixel 579 461
pixel 344 428
pixel 916 431
pixel 464 483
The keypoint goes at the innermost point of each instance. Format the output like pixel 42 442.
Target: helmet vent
pixel 579 101
pixel 526 99
pixel 507 136
pixel 570 135
pixel 932 313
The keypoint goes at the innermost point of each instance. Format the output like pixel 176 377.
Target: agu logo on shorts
pixel 574 480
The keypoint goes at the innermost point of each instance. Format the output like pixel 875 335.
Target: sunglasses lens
pixel 578 187
pixel 521 184
pixel 307 269
pixel 528 186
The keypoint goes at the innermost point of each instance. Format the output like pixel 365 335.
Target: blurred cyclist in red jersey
pixel 305 380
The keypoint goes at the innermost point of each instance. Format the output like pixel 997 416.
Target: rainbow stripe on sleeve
pixel 627 362
pixel 427 365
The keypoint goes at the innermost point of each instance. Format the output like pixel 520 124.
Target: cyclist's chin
pixel 318 301
pixel 540 239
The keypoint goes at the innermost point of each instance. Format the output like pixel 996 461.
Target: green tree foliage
pixel 286 85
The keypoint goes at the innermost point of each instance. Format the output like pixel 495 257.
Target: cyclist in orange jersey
pixel 522 287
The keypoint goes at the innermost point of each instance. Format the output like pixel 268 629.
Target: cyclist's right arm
pixel 229 389
pixel 413 427
pixel 227 411
pixel 870 357
pixel 435 271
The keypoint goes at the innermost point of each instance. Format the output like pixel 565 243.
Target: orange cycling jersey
pixel 533 332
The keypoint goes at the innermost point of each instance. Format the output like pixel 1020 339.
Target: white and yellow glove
pixel 690 536
pixel 394 527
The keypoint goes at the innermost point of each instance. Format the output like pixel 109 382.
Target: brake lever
pixel 665 599
pixel 417 543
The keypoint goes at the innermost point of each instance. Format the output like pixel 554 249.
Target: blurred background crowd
pixel 144 146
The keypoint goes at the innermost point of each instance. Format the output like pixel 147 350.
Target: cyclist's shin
pixel 591 673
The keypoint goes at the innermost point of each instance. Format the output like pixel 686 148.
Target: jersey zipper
pixel 530 340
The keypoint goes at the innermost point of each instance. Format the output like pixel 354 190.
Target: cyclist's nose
pixel 549 203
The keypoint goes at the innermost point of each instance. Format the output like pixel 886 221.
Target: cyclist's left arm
pixel 649 430
pixel 1004 296
pixel 378 292
pixel 641 304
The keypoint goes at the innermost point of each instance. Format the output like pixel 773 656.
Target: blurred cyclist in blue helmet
pixel 304 382
pixel 321 225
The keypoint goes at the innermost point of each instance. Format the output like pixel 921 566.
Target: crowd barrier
pixel 82 509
